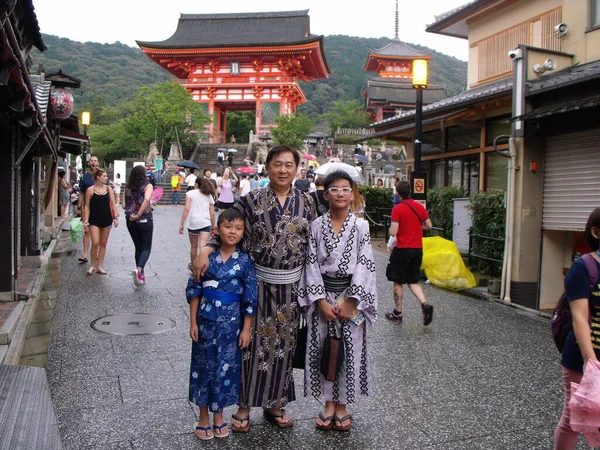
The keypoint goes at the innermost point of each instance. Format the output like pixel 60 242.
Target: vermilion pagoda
pixel 243 61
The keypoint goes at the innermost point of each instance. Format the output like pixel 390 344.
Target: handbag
pixel 299 361
pixel 332 357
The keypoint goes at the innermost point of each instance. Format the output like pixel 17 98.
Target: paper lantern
pixel 62 103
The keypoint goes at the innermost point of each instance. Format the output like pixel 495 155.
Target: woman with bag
pixel 339 291
pixel 140 223
pixel 581 345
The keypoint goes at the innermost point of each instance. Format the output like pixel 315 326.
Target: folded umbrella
pixel 157 194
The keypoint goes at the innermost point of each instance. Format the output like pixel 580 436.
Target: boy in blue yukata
pixel 222 305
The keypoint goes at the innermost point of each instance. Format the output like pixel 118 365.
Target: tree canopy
pixel 291 130
pixel 346 114
pixel 162 113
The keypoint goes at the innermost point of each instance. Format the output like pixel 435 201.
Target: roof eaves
pixel 455 14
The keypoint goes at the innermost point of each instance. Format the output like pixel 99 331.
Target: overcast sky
pixel 108 21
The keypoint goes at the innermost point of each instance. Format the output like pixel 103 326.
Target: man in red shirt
pixel 409 219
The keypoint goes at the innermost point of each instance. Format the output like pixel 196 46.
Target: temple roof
pixel 393 52
pixel 238 29
pixel 401 92
pixel 398 48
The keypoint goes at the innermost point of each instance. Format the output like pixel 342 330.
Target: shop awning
pixel 561 108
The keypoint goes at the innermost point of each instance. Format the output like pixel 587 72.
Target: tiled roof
pixel 238 29
pixel 447 14
pixel 491 90
pixel 398 48
pixel 399 92
pixel 571 75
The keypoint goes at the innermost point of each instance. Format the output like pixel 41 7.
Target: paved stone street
pixel 482 376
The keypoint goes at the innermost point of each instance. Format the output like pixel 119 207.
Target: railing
pixel 202 81
pixel 477 238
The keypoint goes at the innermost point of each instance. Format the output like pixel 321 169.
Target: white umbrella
pixel 354 173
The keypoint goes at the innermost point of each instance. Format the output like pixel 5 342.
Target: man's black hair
pixel 403 189
pixel 282 149
pixel 337 175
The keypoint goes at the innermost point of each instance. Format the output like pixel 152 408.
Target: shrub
pixel 378 201
pixel 440 206
pixel 488 214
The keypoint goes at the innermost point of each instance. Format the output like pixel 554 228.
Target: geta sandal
pixel 208 434
pixel 217 430
pixel 325 419
pixel 339 420
pixel 241 429
pixel 272 417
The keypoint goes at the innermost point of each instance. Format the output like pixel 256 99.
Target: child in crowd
pixel 339 266
pixel 222 304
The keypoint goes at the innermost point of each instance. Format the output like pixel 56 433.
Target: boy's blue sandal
pixel 217 431
pixel 208 434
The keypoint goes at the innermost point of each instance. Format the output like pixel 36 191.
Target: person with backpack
pixel 581 344
pixel 176 189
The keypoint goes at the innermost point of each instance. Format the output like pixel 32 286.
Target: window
pixel 496 173
pixel 496 127
pixel 595 13
pixel 463 138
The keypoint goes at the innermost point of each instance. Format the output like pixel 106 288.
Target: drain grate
pixel 127 324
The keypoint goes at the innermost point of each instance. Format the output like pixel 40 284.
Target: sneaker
pixel 142 278
pixel 394 317
pixel 427 313
pixel 136 277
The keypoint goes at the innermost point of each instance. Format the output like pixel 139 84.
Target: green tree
pixel 346 114
pixel 240 123
pixel 160 113
pixel 291 130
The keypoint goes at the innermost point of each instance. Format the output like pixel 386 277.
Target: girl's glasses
pixel 336 191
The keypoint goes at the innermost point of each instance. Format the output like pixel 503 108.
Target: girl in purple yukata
pixel 222 305
pixel 339 263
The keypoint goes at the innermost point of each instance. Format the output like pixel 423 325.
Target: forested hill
pixel 111 73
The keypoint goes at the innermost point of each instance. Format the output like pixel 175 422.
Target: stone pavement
pixel 481 376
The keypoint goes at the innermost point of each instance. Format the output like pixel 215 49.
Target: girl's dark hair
pixel 230 215
pixel 593 221
pixel 205 186
pixel 137 178
pixel 61 173
pixel 337 175
pixel 282 149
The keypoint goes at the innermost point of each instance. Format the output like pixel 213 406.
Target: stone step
pixel 3 352
pixel 9 319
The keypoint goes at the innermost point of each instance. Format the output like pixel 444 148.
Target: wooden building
pixel 243 62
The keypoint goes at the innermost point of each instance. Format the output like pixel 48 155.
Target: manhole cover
pixel 133 323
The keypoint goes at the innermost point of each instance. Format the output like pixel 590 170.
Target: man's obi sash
pixel 278 276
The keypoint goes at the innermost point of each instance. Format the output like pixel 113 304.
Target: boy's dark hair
pixel 403 189
pixel 282 149
pixel 593 221
pixel 206 170
pixel 230 215
pixel 337 175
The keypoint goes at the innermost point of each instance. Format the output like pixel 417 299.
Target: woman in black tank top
pixel 100 214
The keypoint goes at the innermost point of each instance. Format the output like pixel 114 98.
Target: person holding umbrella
pixel 220 158
pixel 230 156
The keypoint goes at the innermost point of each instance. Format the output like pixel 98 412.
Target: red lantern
pixel 62 103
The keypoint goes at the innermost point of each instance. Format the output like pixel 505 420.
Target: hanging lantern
pixel 62 103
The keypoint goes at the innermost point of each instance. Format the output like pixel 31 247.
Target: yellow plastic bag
pixel 444 266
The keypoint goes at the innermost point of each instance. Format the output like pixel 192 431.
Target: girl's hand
pixel 345 310
pixel 181 229
pixel 194 332
pixel 327 310
pixel 244 340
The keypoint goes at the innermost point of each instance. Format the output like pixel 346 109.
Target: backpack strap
pixel 592 269
pixel 413 210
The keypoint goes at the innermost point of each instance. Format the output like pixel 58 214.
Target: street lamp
pixel 419 82
pixel 85 121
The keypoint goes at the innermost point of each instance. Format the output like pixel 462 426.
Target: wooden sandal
pixel 339 420
pixel 325 419
pixel 218 430
pixel 208 434
pixel 241 429
pixel 272 417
